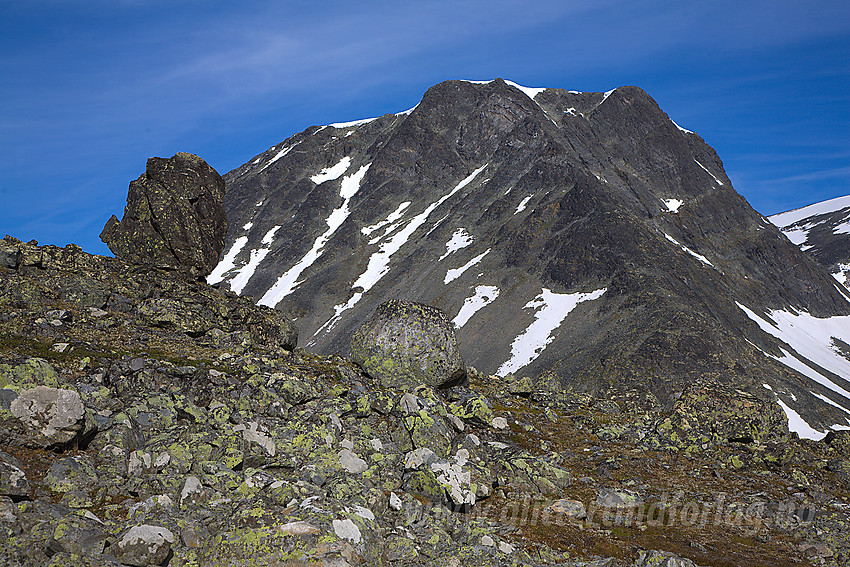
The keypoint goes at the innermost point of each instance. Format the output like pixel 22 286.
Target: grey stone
pixel 299 528
pixel 10 256
pixel 351 462
pixel 410 404
pixel 53 416
pixel 174 217
pixel 144 545
pixel 419 457
pixel 13 480
pixel 347 529
pixel 406 344
pixel 71 474
pixel 78 536
pixel 191 489
pixel 7 397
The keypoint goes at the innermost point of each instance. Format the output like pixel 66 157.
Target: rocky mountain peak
pixel 581 236
pixel 823 231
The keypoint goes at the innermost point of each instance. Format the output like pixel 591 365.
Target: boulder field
pixel 150 420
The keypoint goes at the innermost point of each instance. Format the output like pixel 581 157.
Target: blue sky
pixel 89 89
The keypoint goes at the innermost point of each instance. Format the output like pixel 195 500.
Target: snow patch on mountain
pixel 240 280
pixel 483 296
pixel 521 207
pixel 798 234
pixel 436 224
pixel 798 223
pixel 708 172
pixel 551 310
pixel 460 239
pixel 361 121
pixel 798 425
pixel 794 216
pixel 379 262
pixel 351 124
pixel 455 273
pixel 843 228
pixel 673 205
pixel 680 128
pixel 333 172
pixel 287 283
pixel 795 363
pixel 227 263
pixel 530 92
pixel 684 248
pixel 279 155
pixel 811 337
pixel 832 403
pixel 841 274
pixel 388 222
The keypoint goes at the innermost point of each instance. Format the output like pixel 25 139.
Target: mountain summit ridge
pixel 586 239
pixel 823 230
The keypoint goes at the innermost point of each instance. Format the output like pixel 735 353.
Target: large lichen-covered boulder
pixel 707 415
pixel 174 217
pixel 839 441
pixel 406 344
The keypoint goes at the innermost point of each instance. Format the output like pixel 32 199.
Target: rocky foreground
pixel 147 419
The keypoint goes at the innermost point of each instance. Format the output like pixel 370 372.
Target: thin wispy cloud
pixel 834 173
pixel 90 92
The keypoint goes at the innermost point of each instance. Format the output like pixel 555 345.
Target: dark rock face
pixel 174 217
pixel 581 236
pixel 407 344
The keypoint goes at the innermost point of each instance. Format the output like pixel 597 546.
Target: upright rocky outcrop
pixel 174 217
pixel 407 344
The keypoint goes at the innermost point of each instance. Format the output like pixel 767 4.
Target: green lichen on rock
pixel 29 374
pixel 706 416
pixel 174 217
pixel 407 344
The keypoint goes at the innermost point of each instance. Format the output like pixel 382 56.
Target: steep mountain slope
pixel 823 230
pixel 580 238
